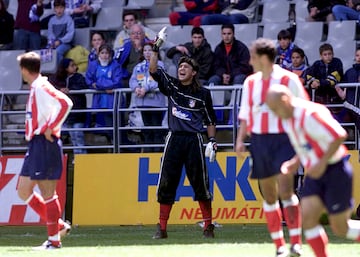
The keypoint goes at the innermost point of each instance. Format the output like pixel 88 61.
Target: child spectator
pixel 97 39
pixel 323 76
pixel 104 74
pixel 284 49
pixel 146 96
pixel 7 27
pixel 61 30
pixel 298 62
pixel 195 9
pixel 67 79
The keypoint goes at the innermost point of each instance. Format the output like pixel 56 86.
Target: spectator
pixel 104 75
pixel 61 30
pixel 7 27
pixel 27 25
pixel 198 49
pixel 97 39
pixel 68 79
pixel 298 62
pixel 323 76
pixel 284 49
pixel 195 9
pixel 233 12
pixel 349 12
pixel 129 19
pixel 146 96
pixel 320 10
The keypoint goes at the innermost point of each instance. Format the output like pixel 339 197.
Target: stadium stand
pixel 342 30
pixel 278 7
pixel 301 11
pixel 308 30
pixel 246 32
pixel 271 29
pixel 9 70
pixel 82 37
pixel 109 18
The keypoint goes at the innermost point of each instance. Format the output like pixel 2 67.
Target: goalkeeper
pixel 189 107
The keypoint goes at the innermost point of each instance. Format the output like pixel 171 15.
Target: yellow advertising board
pixel 120 189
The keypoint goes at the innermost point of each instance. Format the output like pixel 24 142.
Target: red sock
pixel 53 216
pixel 317 239
pixel 164 215
pixel 291 210
pixel 273 217
pixel 205 207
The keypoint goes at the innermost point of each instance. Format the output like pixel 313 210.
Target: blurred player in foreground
pixel 270 146
pixel 46 110
pixel 190 107
pixel 317 139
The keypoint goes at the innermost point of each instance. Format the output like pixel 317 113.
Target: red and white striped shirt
pixel 311 130
pixel 253 109
pixel 46 107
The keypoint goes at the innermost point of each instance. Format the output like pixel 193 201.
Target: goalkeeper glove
pixel 160 39
pixel 210 150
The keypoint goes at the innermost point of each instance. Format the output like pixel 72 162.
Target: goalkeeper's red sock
pixel 273 217
pixel 205 207
pixel 317 239
pixel 292 214
pixel 164 215
pixel 53 216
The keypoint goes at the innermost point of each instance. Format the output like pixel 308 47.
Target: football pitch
pixel 135 241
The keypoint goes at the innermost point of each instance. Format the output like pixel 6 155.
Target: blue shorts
pixel 43 160
pixel 334 188
pixel 268 152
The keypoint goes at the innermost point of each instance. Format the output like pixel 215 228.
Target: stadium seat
pixel 275 11
pixel 139 4
pixel 345 50
pixel 306 31
pixel 48 60
pixel 271 30
pixel 112 3
pixel 212 34
pixel 344 30
pixel 9 70
pixel 311 49
pixel 301 10
pixel 109 18
pixel 246 32
pixel 82 37
pixel 179 34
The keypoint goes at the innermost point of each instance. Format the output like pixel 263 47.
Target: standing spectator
pixel 270 146
pixel 104 75
pixel 198 49
pixel 68 79
pixel 232 12
pixel 61 30
pixel 323 76
pixel 349 12
pixel 328 181
pixel 147 96
pixel 129 19
pixel 27 25
pixel 189 108
pixel 7 27
pixel 195 9
pixel 320 10
pixel 97 40
pixel 284 49
pixel 46 110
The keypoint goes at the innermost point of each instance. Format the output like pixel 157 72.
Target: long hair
pixel 196 85
pixel 61 72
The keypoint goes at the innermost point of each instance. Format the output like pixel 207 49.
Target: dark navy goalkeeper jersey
pixel 188 110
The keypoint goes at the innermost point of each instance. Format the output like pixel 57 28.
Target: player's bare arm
pixel 153 62
pixel 48 133
pixel 291 166
pixel 240 146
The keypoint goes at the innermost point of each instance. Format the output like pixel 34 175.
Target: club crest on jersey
pixel 192 103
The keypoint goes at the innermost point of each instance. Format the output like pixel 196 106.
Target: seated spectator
pixel 67 79
pixel 146 96
pixel 232 12
pixel 323 76
pixel 320 10
pixel 61 30
pixel 198 49
pixel 349 12
pixel 284 49
pixel 104 75
pixel 27 25
pixel 7 27
pixel 97 39
pixel 195 9
pixel 129 19
pixel 298 62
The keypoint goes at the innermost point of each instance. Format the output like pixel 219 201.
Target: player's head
pixel 262 53
pixel 188 69
pixel 197 36
pixel 279 99
pixel 326 53
pixel 29 65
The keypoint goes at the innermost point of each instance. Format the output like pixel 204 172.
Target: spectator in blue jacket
pixel 146 95
pixel 61 30
pixel 104 75
pixel 284 49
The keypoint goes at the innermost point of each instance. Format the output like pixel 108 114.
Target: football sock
pixel 273 217
pixel 316 237
pixel 205 207
pixel 164 215
pixel 291 210
pixel 53 215
pixel 353 230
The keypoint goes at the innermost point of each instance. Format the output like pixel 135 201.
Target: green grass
pixel 134 241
